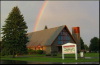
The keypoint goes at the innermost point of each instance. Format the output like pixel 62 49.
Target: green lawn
pixel 86 55
pixel 43 58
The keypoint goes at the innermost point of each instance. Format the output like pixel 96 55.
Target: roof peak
pixel 51 28
pixel 46 29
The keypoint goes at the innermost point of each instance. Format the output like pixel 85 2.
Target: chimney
pixel 76 35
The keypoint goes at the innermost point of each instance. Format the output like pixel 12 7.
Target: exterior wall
pixel 46 49
pixel 54 46
pixel 71 40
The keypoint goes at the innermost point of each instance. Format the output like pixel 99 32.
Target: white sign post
pixel 69 48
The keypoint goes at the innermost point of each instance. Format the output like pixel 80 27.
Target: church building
pixel 51 40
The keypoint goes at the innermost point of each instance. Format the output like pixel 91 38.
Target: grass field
pixel 43 58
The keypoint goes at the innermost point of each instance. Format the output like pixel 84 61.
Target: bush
pixel 39 51
pixel 34 51
pixel 78 51
pixel 54 55
pixel 48 54
pixel 30 51
pixel 19 53
pixel 84 51
pixel 2 53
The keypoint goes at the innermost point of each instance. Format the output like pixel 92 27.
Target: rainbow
pixel 40 15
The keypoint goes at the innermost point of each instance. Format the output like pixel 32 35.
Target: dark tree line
pixel 94 45
pixel 82 44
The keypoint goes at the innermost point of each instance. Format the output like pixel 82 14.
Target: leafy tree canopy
pixel 86 47
pixel 46 27
pixel 82 43
pixel 94 44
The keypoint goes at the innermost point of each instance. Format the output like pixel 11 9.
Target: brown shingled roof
pixel 43 37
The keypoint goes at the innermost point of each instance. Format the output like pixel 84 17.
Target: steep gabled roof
pixel 44 37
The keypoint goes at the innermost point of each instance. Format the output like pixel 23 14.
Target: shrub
pixel 84 51
pixel 48 54
pixel 19 53
pixel 78 51
pixel 54 55
pixel 34 51
pixel 2 53
pixel 39 51
pixel 30 51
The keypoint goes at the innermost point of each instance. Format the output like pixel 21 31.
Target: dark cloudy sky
pixel 84 14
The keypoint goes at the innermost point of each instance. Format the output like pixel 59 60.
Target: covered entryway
pixel 59 49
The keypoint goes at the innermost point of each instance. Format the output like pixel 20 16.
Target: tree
pixel 94 44
pixel 46 27
pixel 86 47
pixel 82 43
pixel 0 46
pixel 14 37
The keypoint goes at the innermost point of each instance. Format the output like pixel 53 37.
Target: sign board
pixel 69 48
